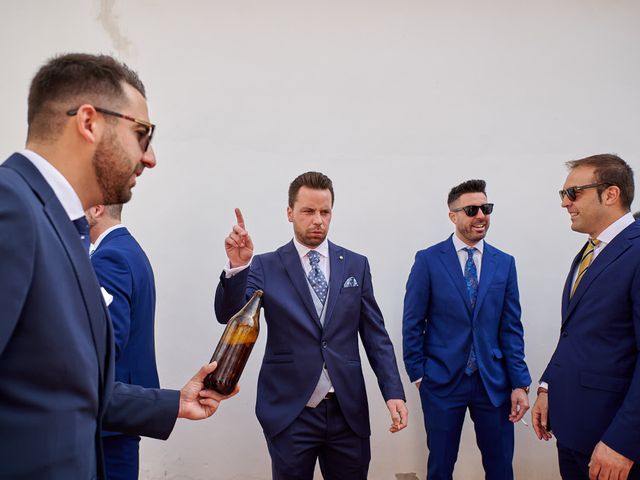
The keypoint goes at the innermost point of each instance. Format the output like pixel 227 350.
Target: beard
pixel 113 170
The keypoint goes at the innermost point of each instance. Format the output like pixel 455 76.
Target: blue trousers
pixel 319 434
pixel 443 419
pixel 121 454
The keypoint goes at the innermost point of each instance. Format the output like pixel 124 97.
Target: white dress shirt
pixel 58 183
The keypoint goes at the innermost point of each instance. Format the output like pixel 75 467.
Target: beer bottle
pixel 235 346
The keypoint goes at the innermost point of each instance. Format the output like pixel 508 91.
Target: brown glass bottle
pixel 235 346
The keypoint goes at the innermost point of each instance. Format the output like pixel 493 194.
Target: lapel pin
pixel 341 257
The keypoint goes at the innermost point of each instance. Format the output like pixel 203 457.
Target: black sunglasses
pixel 144 141
pixel 472 210
pixel 572 192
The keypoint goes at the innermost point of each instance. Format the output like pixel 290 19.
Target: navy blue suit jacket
pixel 298 345
pixel 57 388
pixel 594 373
pixel 124 271
pixel 438 322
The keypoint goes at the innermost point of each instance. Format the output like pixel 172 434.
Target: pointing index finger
pixel 239 218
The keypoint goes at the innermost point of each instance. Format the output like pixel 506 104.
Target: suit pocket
pixel 603 382
pixel 278 358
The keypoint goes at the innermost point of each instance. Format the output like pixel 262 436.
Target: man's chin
pixel 313 241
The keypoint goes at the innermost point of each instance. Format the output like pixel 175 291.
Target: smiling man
pixel 318 298
pixel 590 392
pixel 463 339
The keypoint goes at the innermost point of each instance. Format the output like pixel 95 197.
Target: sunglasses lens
pixel 487 208
pixel 471 210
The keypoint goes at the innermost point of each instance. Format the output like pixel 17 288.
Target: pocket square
pixel 350 283
pixel 108 298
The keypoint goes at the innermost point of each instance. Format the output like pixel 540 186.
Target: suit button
pixel 324 344
pixel 564 334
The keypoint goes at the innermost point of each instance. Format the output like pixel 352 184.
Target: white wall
pixel 396 101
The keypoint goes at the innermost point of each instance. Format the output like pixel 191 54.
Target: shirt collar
pixel 609 233
pixel 322 249
pixel 61 187
pixel 103 235
pixel 459 244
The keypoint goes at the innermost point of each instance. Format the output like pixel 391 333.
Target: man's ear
pixel 611 195
pixel 87 123
pixel 290 214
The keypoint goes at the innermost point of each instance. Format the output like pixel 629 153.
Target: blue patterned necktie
pixel 316 277
pixel 82 226
pixel 471 279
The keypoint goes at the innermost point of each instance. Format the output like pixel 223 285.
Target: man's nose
pixel 149 158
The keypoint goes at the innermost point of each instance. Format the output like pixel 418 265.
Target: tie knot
pixel 594 242
pixel 314 257
pixel 470 251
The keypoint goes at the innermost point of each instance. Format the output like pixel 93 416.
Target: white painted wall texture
pixel 396 101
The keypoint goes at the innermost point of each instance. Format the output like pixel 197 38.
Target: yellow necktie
pixel 587 258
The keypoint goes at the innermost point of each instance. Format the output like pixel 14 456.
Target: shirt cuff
pixel 230 272
pixel 544 385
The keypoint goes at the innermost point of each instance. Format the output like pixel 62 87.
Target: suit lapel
pixel 76 253
pixel 487 272
pixel 336 274
pixel 291 261
pixel 610 252
pixel 566 293
pixel 449 258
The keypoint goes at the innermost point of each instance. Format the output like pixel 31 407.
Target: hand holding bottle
pixel 238 244
pixel 197 403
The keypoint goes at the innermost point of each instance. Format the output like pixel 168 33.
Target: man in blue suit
pixel 590 391
pixel 87 142
pixel 463 339
pixel 318 297
pixel 125 274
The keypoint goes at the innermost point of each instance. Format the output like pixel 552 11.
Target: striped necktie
pixel 587 258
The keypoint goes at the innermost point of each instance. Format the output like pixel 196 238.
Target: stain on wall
pixel 110 21
pixel 406 476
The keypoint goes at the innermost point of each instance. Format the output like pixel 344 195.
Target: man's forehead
pixel 135 101
pixel 580 175
pixel 471 196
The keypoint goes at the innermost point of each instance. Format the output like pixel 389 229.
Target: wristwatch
pixel 526 389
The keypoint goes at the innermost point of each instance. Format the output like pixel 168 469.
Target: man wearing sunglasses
pixel 463 342
pixel 57 389
pixel 589 394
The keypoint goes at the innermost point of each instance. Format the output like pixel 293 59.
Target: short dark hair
pixel 313 180
pixel 470 186
pixel 609 169
pixel 70 80
pixel 636 215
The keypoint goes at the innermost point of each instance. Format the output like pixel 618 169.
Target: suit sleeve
pixel 623 434
pixel 416 305
pixel 512 333
pixel 134 410
pixel 232 293
pixel 377 343
pixel 114 275
pixel 17 254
